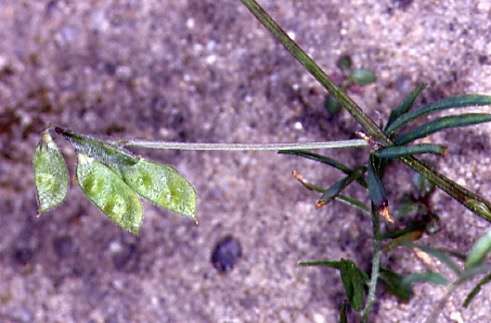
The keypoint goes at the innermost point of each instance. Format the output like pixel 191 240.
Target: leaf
pixel 429 276
pixel 405 105
pixel 486 279
pixel 436 125
pixel 342 198
pixel 325 160
pixel 447 103
pixel 162 185
pixel 394 284
pixel 479 251
pixel 338 187
pixel 362 76
pixel 109 193
pixel 50 174
pixel 343 313
pixel 354 279
pixel 402 151
pixel 332 105
pixel 348 200
pixel 344 62
pixel 111 155
pixel 376 190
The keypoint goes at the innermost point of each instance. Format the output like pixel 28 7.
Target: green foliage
pixel 339 186
pixel 353 278
pixel 394 283
pixel 479 251
pixel 441 124
pixel 50 174
pixel 405 105
pixel 454 102
pixel 376 189
pixel 362 76
pixel 112 178
pixel 476 290
pixel 162 185
pixel 327 161
pixel 109 193
pixel 403 151
pixel 344 63
pixel 350 77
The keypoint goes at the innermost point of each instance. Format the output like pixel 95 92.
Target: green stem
pixel 240 147
pixel 377 253
pixel 472 201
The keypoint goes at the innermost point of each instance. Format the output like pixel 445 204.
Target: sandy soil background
pixel 205 71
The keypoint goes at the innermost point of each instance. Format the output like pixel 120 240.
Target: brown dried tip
pixel 384 211
pixel 297 175
pixel 320 204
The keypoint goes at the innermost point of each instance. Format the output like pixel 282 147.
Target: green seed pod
pixel 50 174
pixel 109 193
pixel 162 185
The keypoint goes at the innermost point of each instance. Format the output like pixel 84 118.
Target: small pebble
pixel 226 254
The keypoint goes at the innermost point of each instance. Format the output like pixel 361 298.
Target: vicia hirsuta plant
pixel 115 179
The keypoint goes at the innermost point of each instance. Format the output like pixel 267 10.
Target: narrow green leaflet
pixel 50 174
pixel 402 151
pixel 394 284
pixel 376 190
pixel 429 276
pixel 405 105
pixel 325 160
pixel 348 200
pixel 447 103
pixel 162 185
pixel 109 193
pixel 436 125
pixel 479 251
pixel 339 186
pixel 354 279
pixel 486 279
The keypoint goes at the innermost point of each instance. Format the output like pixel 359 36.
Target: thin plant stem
pixel 240 147
pixel 477 204
pixel 377 254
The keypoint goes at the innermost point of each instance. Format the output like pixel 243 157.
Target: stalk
pixel 162 145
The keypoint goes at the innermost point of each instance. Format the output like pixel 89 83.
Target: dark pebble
pixel 226 254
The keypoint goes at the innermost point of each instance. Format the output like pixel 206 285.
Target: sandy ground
pixel 205 71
